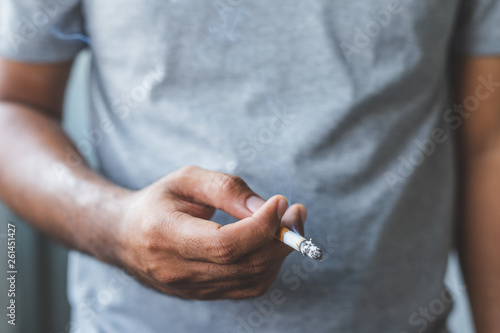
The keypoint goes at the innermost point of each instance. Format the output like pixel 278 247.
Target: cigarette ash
pixel 308 248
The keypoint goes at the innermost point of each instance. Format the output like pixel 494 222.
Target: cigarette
pixel 299 243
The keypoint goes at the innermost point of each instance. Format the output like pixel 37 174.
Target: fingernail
pixel 282 206
pixel 254 203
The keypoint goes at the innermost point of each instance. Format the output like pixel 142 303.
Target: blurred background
pixel 41 303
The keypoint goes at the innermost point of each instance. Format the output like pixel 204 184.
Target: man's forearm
pixel 480 231
pixel 481 239
pixel 74 208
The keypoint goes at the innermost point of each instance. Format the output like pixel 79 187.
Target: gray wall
pixel 41 298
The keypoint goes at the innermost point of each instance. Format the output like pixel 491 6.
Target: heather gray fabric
pixel 341 105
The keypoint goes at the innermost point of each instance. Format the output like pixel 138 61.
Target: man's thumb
pixel 252 232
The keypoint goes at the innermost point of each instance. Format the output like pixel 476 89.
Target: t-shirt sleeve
pixel 479 27
pixel 41 30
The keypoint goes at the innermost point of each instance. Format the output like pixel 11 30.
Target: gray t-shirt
pixel 341 105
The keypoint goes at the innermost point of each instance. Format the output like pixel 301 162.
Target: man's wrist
pixel 103 219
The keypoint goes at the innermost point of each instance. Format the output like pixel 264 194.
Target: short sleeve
pixel 41 30
pixel 478 27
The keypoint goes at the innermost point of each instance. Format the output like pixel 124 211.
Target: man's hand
pixel 168 243
pixel 160 234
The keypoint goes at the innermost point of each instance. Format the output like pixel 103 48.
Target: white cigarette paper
pixel 299 243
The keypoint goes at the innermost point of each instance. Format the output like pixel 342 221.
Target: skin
pixel 480 228
pixel 161 234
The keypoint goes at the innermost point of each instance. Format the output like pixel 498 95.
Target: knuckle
pixel 174 217
pixel 181 173
pixel 229 183
pixel 175 279
pixel 222 252
pixel 150 239
pixel 167 276
pixel 188 169
pixel 150 243
pixel 224 255
pixel 153 229
pixel 167 279
pixel 154 271
pixel 164 279
pixel 258 265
